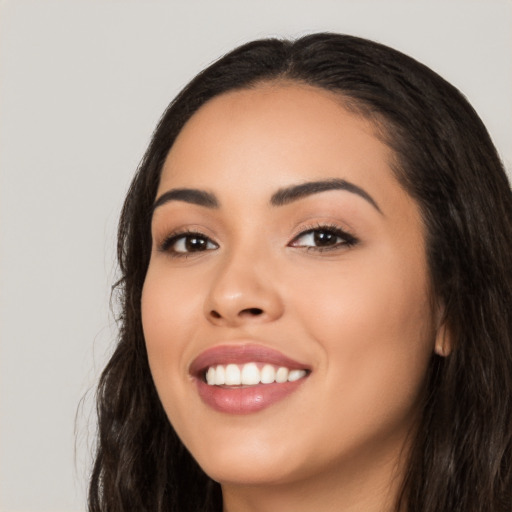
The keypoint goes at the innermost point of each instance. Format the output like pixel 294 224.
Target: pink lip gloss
pixel 244 399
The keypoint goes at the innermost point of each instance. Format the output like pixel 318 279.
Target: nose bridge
pixel 244 287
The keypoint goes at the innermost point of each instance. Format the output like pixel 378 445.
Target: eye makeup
pixel 185 242
pixel 323 237
pixel 319 237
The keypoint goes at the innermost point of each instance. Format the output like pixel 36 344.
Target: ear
pixel 443 342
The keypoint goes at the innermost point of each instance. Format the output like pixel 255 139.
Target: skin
pixel 360 315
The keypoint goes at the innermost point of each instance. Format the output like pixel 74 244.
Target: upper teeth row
pixel 249 374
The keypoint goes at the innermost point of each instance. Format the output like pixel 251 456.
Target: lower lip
pixel 245 400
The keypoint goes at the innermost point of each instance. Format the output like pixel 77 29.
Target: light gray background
pixel 82 85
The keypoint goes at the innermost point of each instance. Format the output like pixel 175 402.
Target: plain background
pixel 82 86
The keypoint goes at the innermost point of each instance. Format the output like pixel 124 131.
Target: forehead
pixel 274 134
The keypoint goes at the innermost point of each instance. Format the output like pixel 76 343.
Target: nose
pixel 243 291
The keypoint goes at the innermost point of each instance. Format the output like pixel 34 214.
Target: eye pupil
pixel 195 243
pixel 324 238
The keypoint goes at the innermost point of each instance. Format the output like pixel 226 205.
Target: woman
pixel 316 290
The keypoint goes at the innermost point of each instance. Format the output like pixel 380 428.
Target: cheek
pixel 389 298
pixel 169 317
pixel 170 306
pixel 375 328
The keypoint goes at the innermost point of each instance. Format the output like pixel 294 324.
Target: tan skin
pixel 357 308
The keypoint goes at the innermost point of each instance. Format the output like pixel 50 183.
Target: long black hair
pixel 461 457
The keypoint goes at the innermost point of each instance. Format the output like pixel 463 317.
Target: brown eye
pixel 324 238
pixel 186 243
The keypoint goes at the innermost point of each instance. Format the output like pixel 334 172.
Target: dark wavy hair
pixel 461 456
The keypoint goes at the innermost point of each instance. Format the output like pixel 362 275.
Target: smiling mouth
pixel 246 378
pixel 250 374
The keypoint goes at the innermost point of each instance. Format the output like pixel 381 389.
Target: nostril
pixel 251 311
pixel 243 312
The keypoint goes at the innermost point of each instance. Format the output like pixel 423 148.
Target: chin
pixel 249 473
pixel 249 463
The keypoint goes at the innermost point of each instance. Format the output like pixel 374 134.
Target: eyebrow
pixel 282 197
pixel 289 194
pixel 188 195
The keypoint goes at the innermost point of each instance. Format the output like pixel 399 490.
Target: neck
pixel 371 485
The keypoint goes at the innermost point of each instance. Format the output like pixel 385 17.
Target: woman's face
pixel 281 239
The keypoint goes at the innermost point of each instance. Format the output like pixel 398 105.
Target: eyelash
pixel 348 240
pixel 167 244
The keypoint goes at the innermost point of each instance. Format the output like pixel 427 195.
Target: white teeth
pixel 296 375
pixel 250 374
pixel 233 377
pixel 220 377
pixel 268 374
pixel 282 374
pixel 210 376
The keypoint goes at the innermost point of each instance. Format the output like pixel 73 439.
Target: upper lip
pixel 240 354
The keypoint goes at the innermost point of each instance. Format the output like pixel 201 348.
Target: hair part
pixel 461 455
